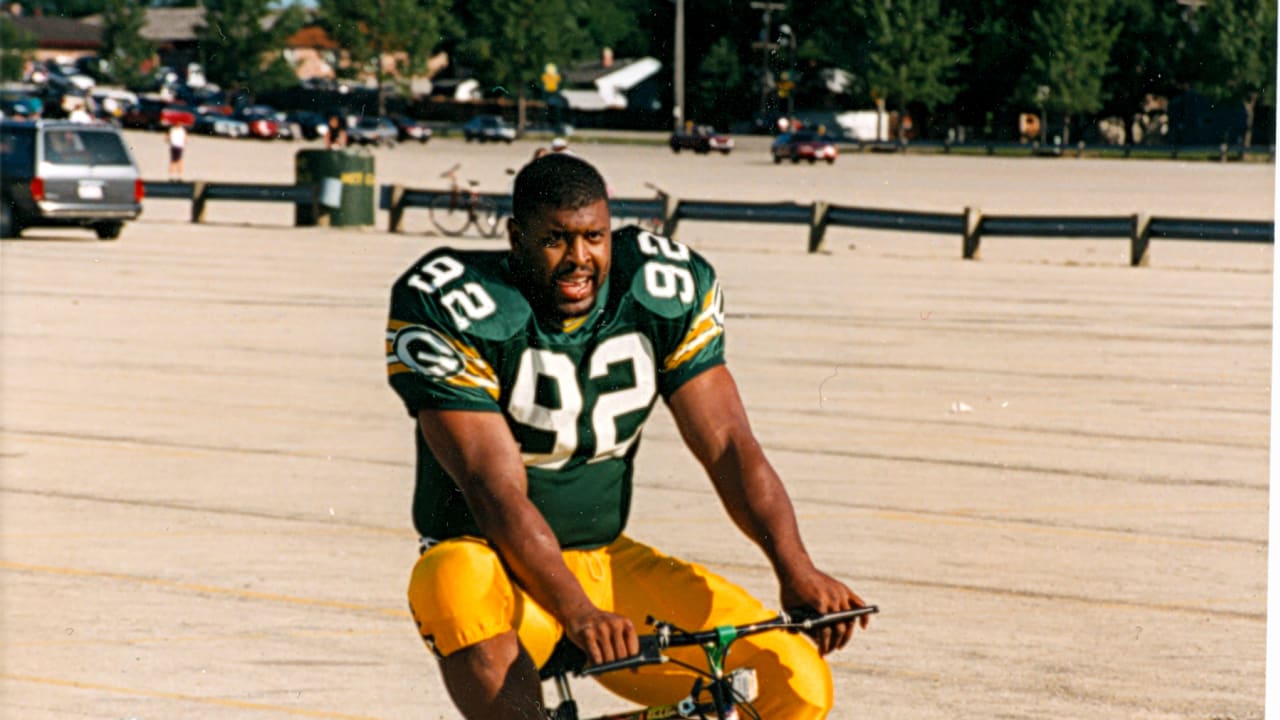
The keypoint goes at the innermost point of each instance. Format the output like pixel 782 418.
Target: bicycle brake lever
pixel 650 654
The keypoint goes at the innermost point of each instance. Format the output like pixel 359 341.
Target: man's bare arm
pixel 714 424
pixel 480 454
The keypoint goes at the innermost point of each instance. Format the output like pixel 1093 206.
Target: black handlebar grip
pixel 649 655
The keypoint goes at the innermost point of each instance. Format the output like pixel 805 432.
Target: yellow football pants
pixel 460 595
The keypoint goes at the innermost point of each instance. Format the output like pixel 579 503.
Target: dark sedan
pixel 702 139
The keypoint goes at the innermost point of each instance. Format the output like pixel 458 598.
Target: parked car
pixel 410 129
pixel 220 125
pixel 702 139
pixel 261 120
pixel 156 114
pixel 56 173
pixel 803 145
pixel 485 128
pixel 312 125
pixel 373 130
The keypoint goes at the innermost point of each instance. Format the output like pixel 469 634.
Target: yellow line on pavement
pixel 222 702
pixel 204 589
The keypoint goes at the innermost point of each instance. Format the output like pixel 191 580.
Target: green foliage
pixel 1072 42
pixel 366 28
pixel 510 41
pixel 16 47
pixel 721 89
pixel 1147 57
pixel 914 52
pixel 237 45
pixel 122 43
pixel 1236 46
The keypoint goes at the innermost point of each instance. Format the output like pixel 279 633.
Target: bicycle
pixel 451 213
pixel 715 693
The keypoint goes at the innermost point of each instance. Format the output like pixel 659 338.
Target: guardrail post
pixel 818 229
pixel 673 218
pixel 972 236
pixel 1222 153
pixel 668 214
pixel 397 208
pixel 198 199
pixel 1140 241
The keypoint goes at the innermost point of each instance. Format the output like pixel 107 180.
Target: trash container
pixel 344 181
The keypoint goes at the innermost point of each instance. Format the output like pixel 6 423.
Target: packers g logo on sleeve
pixel 426 352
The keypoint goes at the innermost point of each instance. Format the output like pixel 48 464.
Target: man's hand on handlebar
pixel 603 636
pixel 823 593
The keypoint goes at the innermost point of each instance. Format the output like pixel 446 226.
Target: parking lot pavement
pixel 1048 469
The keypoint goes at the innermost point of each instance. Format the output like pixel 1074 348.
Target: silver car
pixel 59 173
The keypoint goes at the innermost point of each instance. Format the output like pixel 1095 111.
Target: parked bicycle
pixel 715 693
pixel 453 212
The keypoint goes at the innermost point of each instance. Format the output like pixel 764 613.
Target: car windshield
pixel 804 137
pixel 84 147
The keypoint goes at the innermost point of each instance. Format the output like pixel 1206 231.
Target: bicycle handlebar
pixel 667 636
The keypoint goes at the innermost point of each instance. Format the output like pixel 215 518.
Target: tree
pixel 721 91
pixel 370 29
pixel 1148 60
pixel 122 43
pixel 510 42
pixel 1072 42
pixel 995 41
pixel 1236 47
pixel 16 47
pixel 240 49
pixel 914 54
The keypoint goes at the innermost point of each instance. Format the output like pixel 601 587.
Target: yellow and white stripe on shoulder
pixel 418 349
pixel 707 326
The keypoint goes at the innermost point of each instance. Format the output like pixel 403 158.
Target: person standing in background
pixel 177 145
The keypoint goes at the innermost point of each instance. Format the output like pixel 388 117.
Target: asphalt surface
pixel 1049 469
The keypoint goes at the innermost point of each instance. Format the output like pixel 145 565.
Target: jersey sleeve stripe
pixel 706 326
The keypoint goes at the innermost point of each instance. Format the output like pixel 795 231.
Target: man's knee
pixel 459 595
pixel 795 682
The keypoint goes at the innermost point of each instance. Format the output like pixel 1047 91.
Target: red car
pixel 261 120
pixel 803 145
pixel 152 114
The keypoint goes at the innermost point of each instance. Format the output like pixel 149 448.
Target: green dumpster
pixel 344 183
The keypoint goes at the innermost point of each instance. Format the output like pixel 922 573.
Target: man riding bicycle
pixel 530 373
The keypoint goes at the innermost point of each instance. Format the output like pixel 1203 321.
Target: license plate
pixel 90 191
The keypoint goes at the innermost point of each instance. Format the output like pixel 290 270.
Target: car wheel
pixel 831 161
pixel 675 149
pixel 108 230
pixel 724 152
pixel 812 160
pixel 8 228
pixel 795 158
pixel 777 159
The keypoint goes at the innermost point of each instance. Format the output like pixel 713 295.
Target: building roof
pixel 56 32
pixel 593 86
pixel 312 36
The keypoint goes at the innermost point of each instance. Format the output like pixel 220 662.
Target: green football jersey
pixel 462 336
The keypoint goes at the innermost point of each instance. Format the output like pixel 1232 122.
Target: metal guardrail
pixel 970 224
pixel 1222 230
pixel 200 193
pixel 397 198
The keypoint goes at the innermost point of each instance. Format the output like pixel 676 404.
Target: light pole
pixel 764 44
pixel 678 112
pixel 791 43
